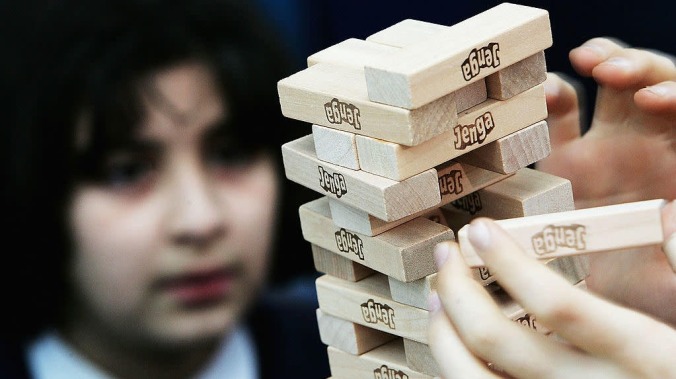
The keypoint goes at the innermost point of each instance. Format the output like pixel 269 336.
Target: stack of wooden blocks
pixel 416 130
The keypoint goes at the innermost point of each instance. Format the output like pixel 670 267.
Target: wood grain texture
pixel 330 263
pixel 336 146
pixel 517 77
pixel 349 337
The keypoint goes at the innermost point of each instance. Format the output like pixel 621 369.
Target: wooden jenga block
pixel 336 146
pixel 406 32
pixel 581 231
pixel 405 252
pixel 528 192
pixel 470 95
pixel 379 196
pixel 512 152
pixel 415 293
pixel 330 263
pixel 468 51
pixel 477 127
pixel 349 337
pixel 518 77
pixel 335 96
pixel 384 362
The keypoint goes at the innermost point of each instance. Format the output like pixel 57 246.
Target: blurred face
pixel 172 244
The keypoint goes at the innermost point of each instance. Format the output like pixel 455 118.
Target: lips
pixel 201 288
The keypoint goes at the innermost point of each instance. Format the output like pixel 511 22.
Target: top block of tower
pixel 462 54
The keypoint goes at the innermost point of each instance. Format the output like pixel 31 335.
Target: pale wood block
pixel 385 362
pixel 477 127
pixel 406 32
pixel 528 192
pixel 384 198
pixel 368 302
pixel 471 95
pixel 330 263
pixel 335 96
pixel 415 293
pixel 465 52
pixel 352 52
pixel 349 337
pixel 581 231
pixel 336 146
pixel 514 151
pixel 517 77
pixel 404 252
pixel 455 181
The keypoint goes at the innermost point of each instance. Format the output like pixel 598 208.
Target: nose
pixel 196 217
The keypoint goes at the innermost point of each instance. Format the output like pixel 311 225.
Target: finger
pixel 563 109
pixel 659 98
pixel 596 50
pixel 633 68
pixel 452 357
pixel 487 332
pixel 669 226
pixel 588 322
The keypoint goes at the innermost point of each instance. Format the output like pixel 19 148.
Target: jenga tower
pixel 415 131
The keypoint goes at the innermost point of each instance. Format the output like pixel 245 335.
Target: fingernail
pixel 657 89
pixel 433 302
pixel 669 248
pixel 441 253
pixel 619 62
pixel 551 87
pixel 594 48
pixel 479 235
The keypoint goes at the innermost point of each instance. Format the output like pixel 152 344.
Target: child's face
pixel 173 246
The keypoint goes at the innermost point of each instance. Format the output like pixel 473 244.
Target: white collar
pixel 50 357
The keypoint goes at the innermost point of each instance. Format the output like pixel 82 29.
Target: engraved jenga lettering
pixel 451 183
pixel 467 135
pixel 477 59
pixel 528 320
pixel 552 237
pixel 348 242
pixel 375 312
pixel 484 274
pixel 470 203
pixel 384 372
pixel 333 183
pixel 338 112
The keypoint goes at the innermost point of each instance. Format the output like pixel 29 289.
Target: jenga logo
pixel 483 57
pixel 552 237
pixel 484 274
pixel 451 183
pixel 375 312
pixel 333 183
pixel 348 242
pixel 338 112
pixel 470 203
pixel 384 372
pixel 528 320
pixel 467 135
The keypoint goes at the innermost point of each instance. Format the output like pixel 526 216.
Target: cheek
pixel 113 262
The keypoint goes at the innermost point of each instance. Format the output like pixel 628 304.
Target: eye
pixel 225 155
pixel 127 171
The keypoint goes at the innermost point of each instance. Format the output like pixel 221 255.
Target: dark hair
pixel 90 55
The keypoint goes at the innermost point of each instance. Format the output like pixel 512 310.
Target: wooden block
pixel 581 231
pixel 513 151
pixel 352 52
pixel 330 263
pixel 406 32
pixel 368 302
pixel 381 197
pixel 477 127
pixel 349 337
pixel 468 51
pixel 415 293
pixel 405 252
pixel 518 77
pixel 336 146
pixel 335 96
pixel 527 193
pixel 385 362
pixel 471 95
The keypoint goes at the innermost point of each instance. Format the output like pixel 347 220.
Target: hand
pixel 629 152
pixel 597 339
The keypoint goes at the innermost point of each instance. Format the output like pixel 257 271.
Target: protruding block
pixel 335 96
pixel 468 51
pixel 349 337
pixel 336 146
pixel 330 263
pixel 582 231
pixel 381 197
pixel 387 361
pixel 406 32
pixel 405 252
pixel 477 127
pixel 513 151
pixel 518 77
